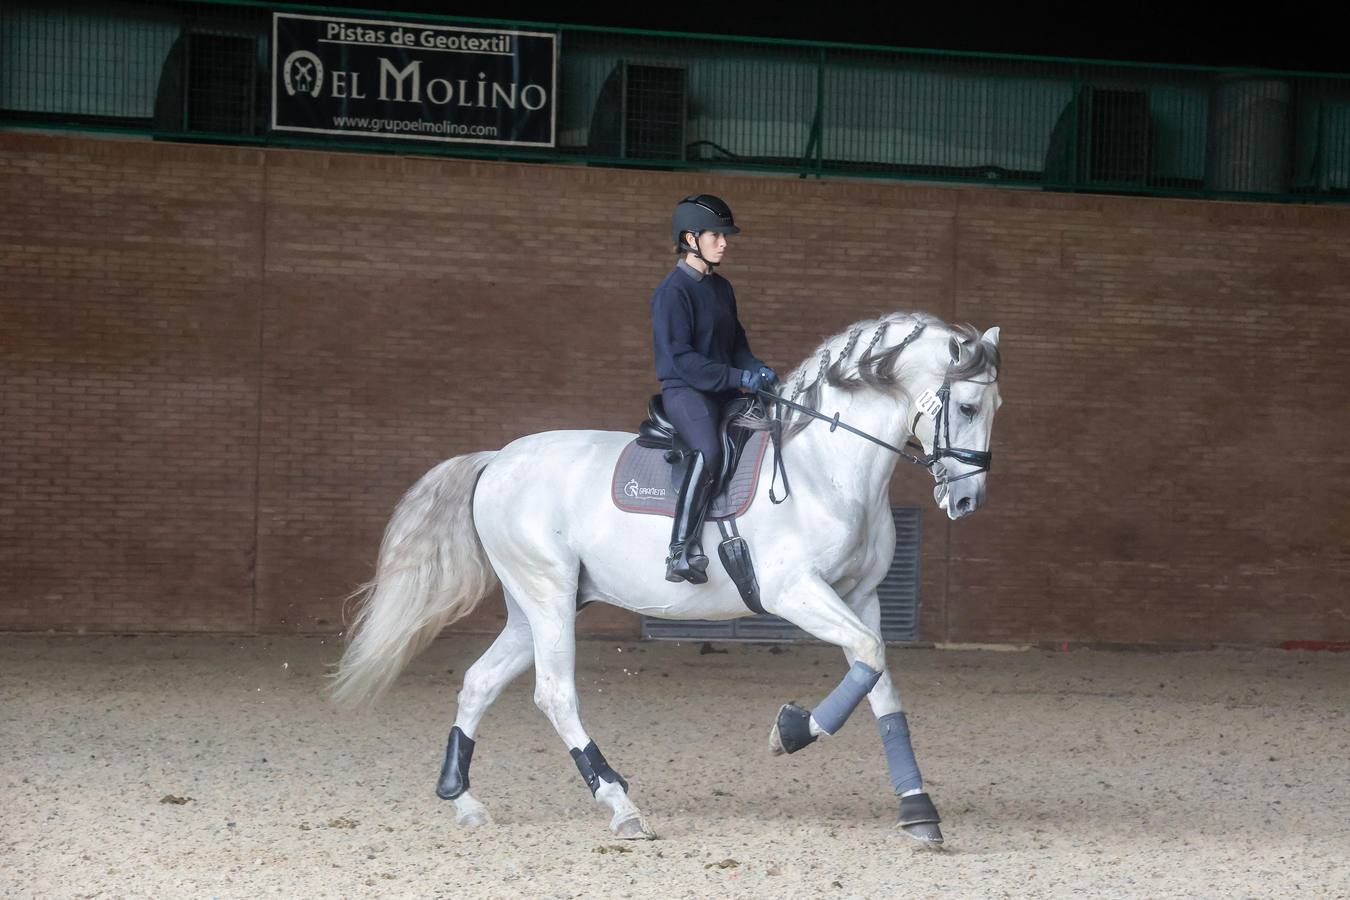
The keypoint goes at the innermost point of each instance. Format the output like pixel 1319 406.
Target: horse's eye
pixel 968 410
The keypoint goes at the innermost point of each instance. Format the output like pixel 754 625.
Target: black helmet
pixel 700 213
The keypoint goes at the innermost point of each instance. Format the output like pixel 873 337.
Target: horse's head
pixel 954 419
pixel 945 375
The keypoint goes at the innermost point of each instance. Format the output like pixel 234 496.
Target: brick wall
pixel 221 368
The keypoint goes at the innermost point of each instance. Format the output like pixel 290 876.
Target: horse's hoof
pixel 634 829
pixel 775 742
pixel 927 834
pixel 472 819
pixel 919 819
pixel 469 812
pixel 791 730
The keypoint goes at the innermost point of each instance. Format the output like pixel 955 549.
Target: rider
pixel 702 359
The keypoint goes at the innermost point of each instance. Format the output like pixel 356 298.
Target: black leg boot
pixel 693 545
pixel 687 561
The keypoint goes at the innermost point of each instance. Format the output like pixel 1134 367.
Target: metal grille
pixel 221 82
pixel 199 71
pixel 640 113
pixel 898 593
pixel 654 112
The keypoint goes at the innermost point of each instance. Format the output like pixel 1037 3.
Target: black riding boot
pixel 687 561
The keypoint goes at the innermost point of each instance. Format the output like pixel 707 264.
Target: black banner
pixel 405 80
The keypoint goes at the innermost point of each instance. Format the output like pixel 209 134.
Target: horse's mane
pixel 838 362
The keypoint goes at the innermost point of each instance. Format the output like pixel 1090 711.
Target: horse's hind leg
pixel 554 627
pixel 508 656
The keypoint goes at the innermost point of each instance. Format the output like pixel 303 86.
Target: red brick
pixel 223 366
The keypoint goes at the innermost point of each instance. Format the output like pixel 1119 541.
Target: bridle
pixel 936 405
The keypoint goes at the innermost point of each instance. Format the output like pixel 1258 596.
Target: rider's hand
pixel 761 379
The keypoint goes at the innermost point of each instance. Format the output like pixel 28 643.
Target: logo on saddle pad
pixel 632 489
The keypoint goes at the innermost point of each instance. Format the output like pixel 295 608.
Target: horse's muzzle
pixel 959 499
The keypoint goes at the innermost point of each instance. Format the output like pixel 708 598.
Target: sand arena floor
pixel 166 766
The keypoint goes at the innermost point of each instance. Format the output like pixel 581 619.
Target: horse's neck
pixel 841 464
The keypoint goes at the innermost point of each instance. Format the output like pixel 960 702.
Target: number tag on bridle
pixel 929 403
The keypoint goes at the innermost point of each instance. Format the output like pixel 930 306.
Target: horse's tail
pixel 432 571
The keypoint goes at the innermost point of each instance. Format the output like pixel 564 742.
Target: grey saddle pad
pixel 642 481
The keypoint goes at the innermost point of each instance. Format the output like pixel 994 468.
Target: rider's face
pixel 713 245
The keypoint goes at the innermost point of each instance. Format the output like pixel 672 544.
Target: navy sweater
pixel 698 340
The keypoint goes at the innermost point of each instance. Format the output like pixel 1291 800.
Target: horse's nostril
pixel 965 505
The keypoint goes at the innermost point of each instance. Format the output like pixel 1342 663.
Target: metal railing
pixel 202 71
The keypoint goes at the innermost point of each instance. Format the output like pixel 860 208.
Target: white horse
pixel 538 515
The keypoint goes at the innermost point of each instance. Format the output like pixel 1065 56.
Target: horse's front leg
pixel 813 606
pixel 918 816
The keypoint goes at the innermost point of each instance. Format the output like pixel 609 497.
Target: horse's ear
pixel 990 336
pixel 954 347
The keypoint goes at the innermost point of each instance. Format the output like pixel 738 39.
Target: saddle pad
pixel 642 482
